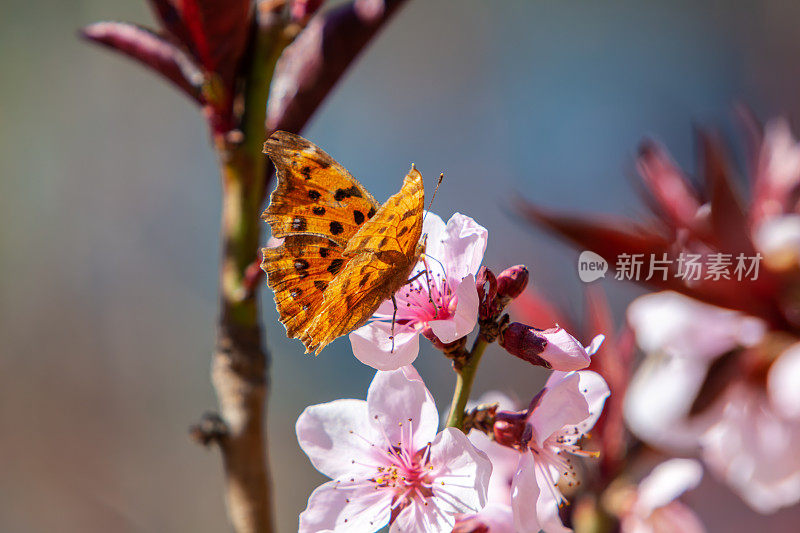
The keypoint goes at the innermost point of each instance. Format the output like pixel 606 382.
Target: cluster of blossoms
pixel 389 464
pixel 722 363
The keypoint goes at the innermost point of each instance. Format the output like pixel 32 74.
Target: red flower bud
pixel 524 342
pixel 512 281
pixel 509 427
pixel 486 282
pixel 471 524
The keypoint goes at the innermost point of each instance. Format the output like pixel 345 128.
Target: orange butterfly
pixel 343 254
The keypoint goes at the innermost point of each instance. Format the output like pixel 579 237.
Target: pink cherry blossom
pixel 532 452
pixel 682 336
pixel 450 308
pixel 748 436
pixel 387 463
pixel 654 508
pixel 566 410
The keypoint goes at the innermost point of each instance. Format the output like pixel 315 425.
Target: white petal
pixel 595 344
pixel 372 345
pixel 335 434
pixel 783 383
pixel 778 239
pixel 465 317
pixel 755 451
pixel 401 405
pixel 464 245
pixel 680 326
pixel 535 499
pixel 561 405
pixel 504 464
pixel 461 473
pixel 666 482
pixel 563 351
pixel 659 398
pixel 434 227
pixel 331 508
pixel 498 518
pixel 595 391
pixel 368 510
pixel 420 518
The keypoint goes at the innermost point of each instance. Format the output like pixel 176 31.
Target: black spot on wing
pixel 336 228
pixel 407 214
pixel 358 216
pixel 371 212
pixel 306 172
pixel 341 194
pixel 335 266
pixel 314 195
pixel 318 210
pixel 320 285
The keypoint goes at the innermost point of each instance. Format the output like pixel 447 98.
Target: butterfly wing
pixel 383 252
pixel 299 272
pixel 397 225
pixel 315 194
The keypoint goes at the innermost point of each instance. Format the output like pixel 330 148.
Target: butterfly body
pixel 343 253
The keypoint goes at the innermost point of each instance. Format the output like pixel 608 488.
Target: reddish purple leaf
pixel 151 50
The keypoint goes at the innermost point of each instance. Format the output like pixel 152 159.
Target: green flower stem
pixel 464 379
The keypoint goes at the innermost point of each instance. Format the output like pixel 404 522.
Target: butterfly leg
pixel 430 295
pixel 394 316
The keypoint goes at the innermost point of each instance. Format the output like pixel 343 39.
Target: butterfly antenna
pixel 441 178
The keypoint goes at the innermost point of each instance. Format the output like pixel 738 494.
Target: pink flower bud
pixel 564 352
pixel 524 342
pixel 512 281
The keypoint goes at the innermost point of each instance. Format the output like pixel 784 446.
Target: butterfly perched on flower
pixel 343 253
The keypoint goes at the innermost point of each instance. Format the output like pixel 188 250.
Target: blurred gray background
pixel 109 221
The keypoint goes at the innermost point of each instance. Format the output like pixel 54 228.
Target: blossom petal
pixel 463 321
pixel 421 518
pixel 755 451
pixel 333 508
pixel 504 464
pixel 434 227
pixel 563 351
pixel 465 243
pixel 372 345
pixel 659 398
pixel 595 391
pixel 534 499
pixel 666 482
pixel 334 434
pixel 401 406
pixel 782 383
pixel 367 510
pixel 680 326
pixel 561 404
pixel 462 473
pixel 495 518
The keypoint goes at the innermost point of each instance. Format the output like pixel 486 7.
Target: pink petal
pixel 462 473
pixel 400 403
pixel 659 398
pixel 684 327
pixel 563 351
pixel 434 227
pixel 562 404
pixel 498 518
pixel 755 451
pixel 372 345
pixel 421 518
pixel 463 321
pixel 595 391
pixel 367 510
pixel 535 499
pixel 336 433
pixel 504 464
pixel 667 482
pixel 324 506
pixel 464 245
pixel 782 383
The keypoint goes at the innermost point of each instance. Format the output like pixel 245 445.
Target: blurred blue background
pixel 110 202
